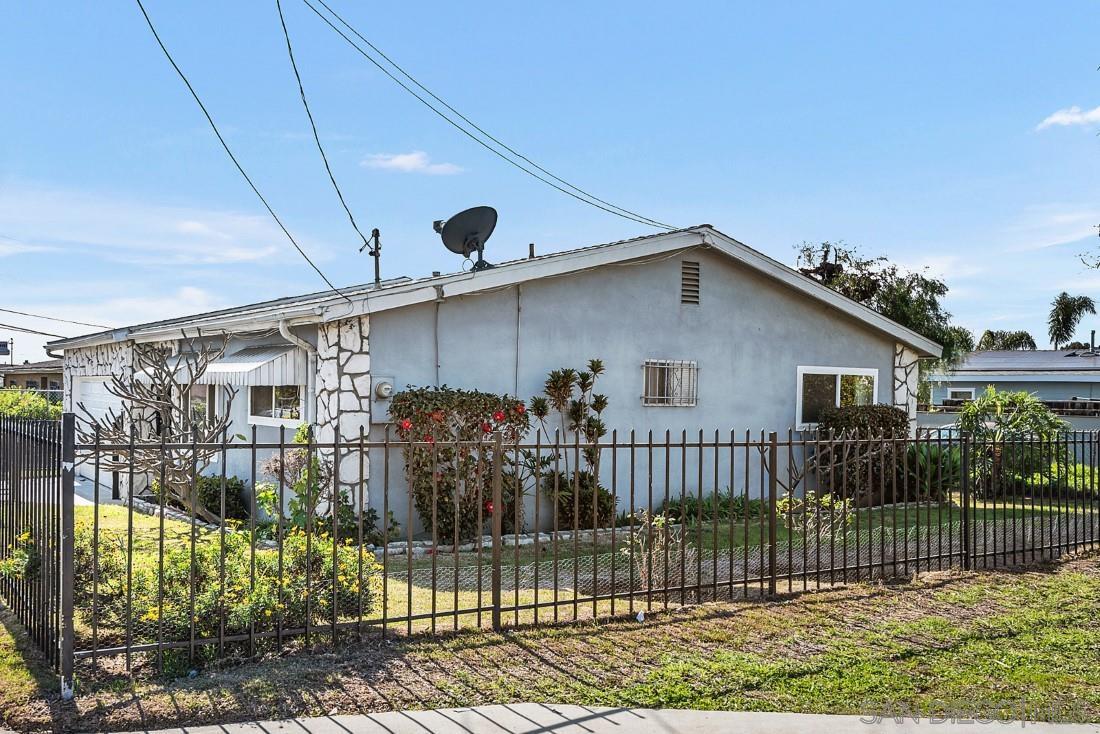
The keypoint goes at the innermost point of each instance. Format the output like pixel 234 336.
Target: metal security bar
pixel 491 533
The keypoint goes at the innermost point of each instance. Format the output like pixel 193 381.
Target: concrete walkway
pixel 528 718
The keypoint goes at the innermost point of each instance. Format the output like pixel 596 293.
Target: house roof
pixel 397 293
pixel 46 365
pixel 1027 362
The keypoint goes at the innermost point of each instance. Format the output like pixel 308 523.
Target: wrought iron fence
pixel 35 512
pixel 495 534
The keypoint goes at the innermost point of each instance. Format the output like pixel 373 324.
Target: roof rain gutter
pixel 311 369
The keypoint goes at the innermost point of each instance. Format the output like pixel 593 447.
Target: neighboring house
pixel 44 375
pixel 1058 377
pixel 696 331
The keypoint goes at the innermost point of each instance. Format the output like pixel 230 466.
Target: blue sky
pixel 916 132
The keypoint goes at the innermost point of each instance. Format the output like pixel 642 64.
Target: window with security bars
pixel 670 382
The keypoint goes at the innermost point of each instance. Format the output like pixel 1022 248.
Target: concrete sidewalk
pixel 529 718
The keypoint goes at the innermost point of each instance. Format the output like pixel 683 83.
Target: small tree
pixel 994 340
pixel 1004 425
pixel 571 395
pixel 1065 313
pixel 154 410
pixel 579 499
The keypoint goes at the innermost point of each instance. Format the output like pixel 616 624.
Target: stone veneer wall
pixel 343 391
pixel 116 358
pixel 906 375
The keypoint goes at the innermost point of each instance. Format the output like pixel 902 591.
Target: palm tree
pixel 1065 313
pixel 999 340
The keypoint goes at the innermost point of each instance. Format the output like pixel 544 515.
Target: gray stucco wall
pixel 749 335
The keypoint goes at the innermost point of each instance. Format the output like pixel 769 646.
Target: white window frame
pixel 262 420
pixel 871 372
pixel 212 397
pixel 688 401
pixel 968 390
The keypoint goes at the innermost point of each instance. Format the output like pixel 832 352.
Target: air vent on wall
pixel 689 281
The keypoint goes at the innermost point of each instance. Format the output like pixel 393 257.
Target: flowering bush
pixel 241 600
pixel 448 461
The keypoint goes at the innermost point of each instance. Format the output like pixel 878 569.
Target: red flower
pixel 487 427
pixel 429 438
pixel 520 408
pixel 488 508
pixel 498 416
pixel 406 424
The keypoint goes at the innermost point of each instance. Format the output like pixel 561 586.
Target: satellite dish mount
pixel 466 233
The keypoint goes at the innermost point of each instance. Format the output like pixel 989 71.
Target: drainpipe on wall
pixel 311 369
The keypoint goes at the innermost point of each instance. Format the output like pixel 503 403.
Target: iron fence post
pixel 68 481
pixel 498 517
pixel 773 498
pixel 964 437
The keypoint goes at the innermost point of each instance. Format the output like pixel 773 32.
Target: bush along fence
pixel 496 530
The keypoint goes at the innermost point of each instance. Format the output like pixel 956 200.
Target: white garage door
pixel 91 392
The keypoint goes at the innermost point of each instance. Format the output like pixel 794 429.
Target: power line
pixel 475 126
pixel 313 125
pixel 53 318
pixel 232 157
pixel 591 200
pixel 30 331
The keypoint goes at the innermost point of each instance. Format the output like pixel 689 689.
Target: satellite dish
pixel 466 232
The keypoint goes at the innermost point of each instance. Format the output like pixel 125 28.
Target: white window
pixel 670 382
pixel 275 405
pixel 960 393
pixel 201 402
pixel 832 387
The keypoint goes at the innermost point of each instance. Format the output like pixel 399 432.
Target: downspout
pixel 519 310
pixel 438 301
pixel 311 369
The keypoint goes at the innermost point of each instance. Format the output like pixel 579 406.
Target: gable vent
pixel 689 281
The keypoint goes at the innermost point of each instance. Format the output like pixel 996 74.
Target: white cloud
pixel 416 162
pixel 943 265
pixel 1051 225
pixel 1071 116
pixel 134 231
pixel 9 246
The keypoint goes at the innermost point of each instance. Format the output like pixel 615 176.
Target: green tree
pixel 912 299
pixel 1066 312
pixel 993 340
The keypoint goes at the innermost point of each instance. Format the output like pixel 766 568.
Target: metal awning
pixel 282 364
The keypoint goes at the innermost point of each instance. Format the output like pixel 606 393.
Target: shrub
pixel 817 514
pixel 862 469
pixel 448 469
pixel 660 549
pixel 928 471
pixel 27 405
pixel 210 493
pixel 865 421
pixel 240 601
pixel 728 508
pixel 579 491
pixel 1058 480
